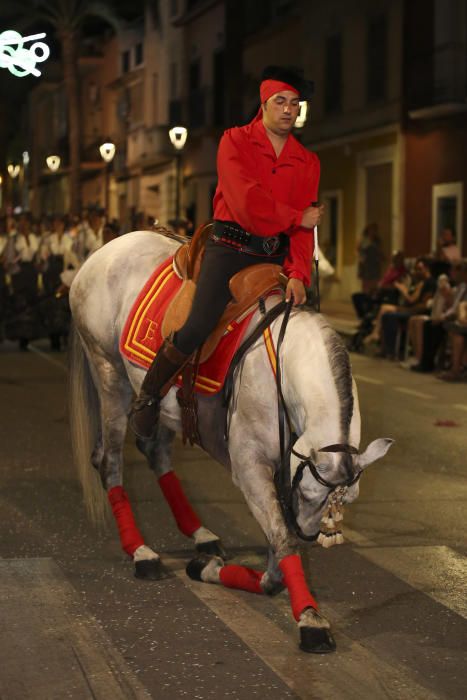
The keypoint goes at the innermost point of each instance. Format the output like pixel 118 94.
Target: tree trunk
pixel 70 74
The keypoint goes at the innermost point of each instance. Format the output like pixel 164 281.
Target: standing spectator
pixel 447 250
pixel 370 259
pixel 55 248
pixel 20 253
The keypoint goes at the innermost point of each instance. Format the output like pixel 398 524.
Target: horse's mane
pixel 339 362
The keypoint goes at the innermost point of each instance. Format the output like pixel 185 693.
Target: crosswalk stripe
pixel 368 380
pixel 351 674
pixel 426 568
pixel 413 392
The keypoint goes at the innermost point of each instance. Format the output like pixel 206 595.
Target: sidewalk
pixel 341 315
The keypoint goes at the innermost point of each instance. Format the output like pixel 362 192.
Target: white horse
pixel 320 397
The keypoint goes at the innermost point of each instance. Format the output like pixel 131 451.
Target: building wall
pixel 435 154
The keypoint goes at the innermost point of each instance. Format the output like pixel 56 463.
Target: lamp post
pixel 53 164
pixel 178 136
pixel 13 172
pixel 107 151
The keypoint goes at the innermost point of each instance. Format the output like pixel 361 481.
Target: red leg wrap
pixel 294 578
pixel 130 536
pixel 234 576
pixel 186 518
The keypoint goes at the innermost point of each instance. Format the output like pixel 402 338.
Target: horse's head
pixel 326 479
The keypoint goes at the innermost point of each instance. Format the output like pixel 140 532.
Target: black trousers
pixel 212 294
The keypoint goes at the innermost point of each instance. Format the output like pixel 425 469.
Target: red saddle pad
pixel 141 337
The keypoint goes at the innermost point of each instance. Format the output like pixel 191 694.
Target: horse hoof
pixel 195 567
pixel 214 548
pixel 150 570
pixel 315 640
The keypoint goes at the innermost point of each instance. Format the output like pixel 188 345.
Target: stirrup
pixel 140 404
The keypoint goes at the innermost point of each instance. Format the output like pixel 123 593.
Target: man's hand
pixel 312 216
pixel 296 289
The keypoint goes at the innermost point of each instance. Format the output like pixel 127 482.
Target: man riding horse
pixel 262 213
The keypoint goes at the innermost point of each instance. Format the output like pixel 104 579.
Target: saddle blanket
pixel 142 338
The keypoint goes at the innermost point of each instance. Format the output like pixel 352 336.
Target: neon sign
pixel 18 59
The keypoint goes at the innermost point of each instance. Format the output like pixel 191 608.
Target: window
pixel 377 58
pixel 333 74
pixel 138 54
pixel 125 61
pixel 447 211
pixel 330 232
pixel 219 89
pixel 155 98
pixel 136 103
pixel 173 81
pixel 196 97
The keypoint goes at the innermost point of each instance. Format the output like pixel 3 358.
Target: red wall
pixel 433 155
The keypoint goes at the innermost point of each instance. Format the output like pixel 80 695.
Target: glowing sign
pixel 17 58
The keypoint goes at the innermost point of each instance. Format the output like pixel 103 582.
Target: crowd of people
pixel 413 306
pixel 38 260
pixel 416 310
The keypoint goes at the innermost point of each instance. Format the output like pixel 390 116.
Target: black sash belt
pixel 231 234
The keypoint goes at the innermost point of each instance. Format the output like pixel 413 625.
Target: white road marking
pixel 425 568
pixel 48 359
pixel 413 392
pixel 69 653
pixel 462 406
pixel 351 674
pixel 368 380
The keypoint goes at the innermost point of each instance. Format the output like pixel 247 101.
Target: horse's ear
pixel 374 451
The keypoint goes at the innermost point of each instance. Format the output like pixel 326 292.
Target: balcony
pixel 148 147
pixel 436 82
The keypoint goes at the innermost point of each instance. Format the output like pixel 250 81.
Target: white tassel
pixel 321 538
pixel 339 538
pixel 328 541
pixel 338 516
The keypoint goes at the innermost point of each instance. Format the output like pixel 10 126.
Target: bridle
pixel 286 486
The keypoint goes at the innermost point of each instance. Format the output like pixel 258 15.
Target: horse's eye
pixel 321 467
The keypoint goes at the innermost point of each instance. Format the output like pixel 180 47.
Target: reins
pixel 286 486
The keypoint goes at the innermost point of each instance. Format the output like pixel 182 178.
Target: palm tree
pixel 66 17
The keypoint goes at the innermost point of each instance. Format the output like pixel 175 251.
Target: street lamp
pixel 107 151
pixel 178 136
pixel 13 170
pixel 53 164
pixel 301 119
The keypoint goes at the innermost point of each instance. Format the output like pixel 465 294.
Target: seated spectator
pixel 386 291
pixel 415 298
pixel 427 332
pixel 457 335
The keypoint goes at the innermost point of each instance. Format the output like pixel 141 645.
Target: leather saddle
pixel 246 287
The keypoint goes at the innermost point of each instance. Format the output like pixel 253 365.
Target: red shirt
pixel 267 195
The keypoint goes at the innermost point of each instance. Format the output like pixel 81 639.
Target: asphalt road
pixel 76 624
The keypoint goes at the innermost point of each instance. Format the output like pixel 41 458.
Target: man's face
pixel 281 111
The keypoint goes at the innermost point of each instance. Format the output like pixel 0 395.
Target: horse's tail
pixel 84 421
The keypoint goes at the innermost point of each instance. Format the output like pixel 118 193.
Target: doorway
pixel 378 185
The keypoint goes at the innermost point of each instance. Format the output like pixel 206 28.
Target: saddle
pixel 246 287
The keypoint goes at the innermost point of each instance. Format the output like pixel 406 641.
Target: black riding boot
pixel 165 368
